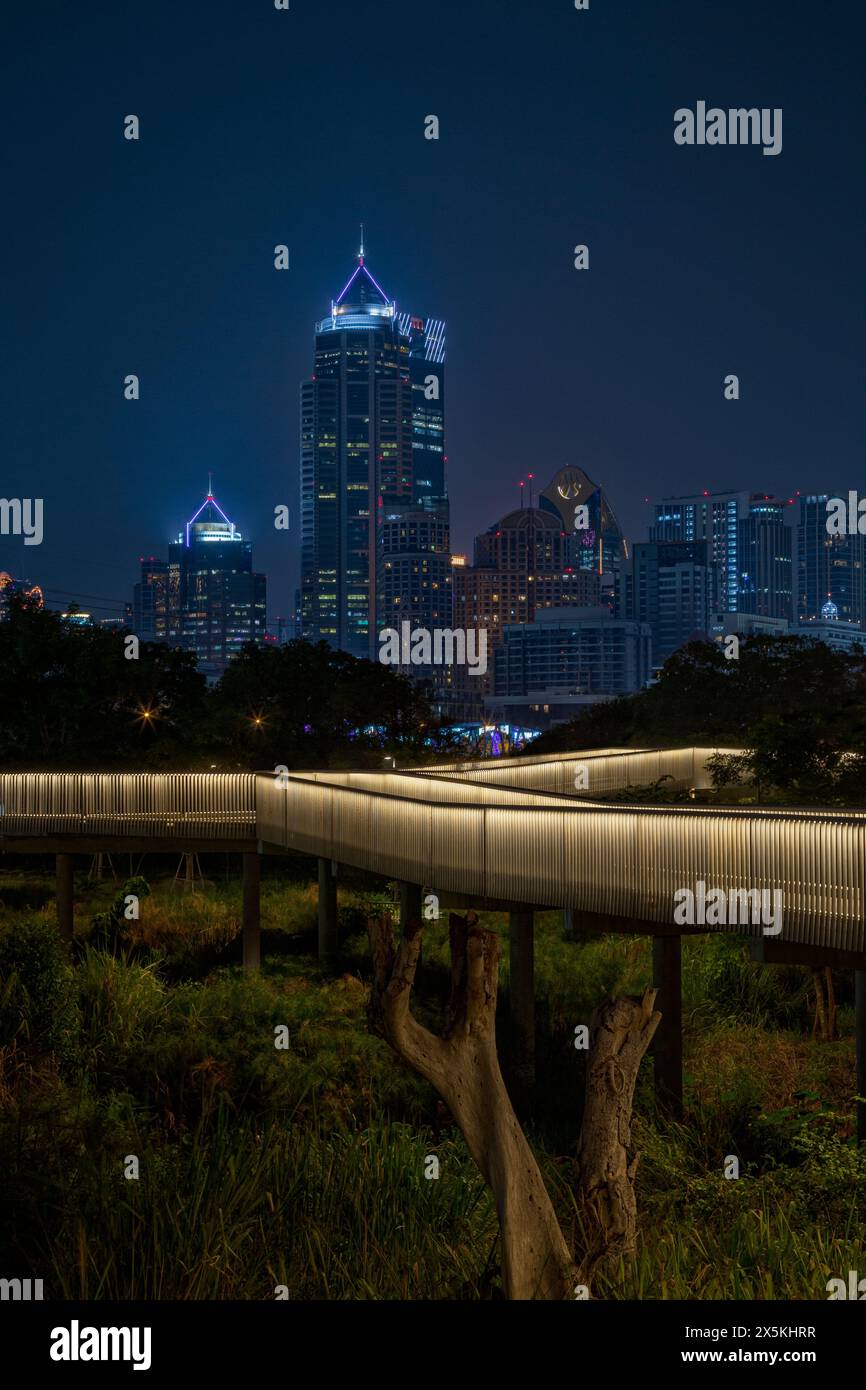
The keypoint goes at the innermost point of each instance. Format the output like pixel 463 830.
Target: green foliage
pixel 108 925
pixel 305 1167
pixel 85 700
pixel 302 705
pixel 796 704
pixel 37 990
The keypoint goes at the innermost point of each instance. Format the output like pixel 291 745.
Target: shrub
pixel 37 991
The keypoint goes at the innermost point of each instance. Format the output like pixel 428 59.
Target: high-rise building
pixel 415 572
pixel 156 601
pixel 595 541
pixel 426 339
pixel 223 604
pixel 372 446
pixel 750 546
pixel 205 597
pixel 672 586
pixel 830 569
pixel 764 560
pixel 711 517
pixel 521 566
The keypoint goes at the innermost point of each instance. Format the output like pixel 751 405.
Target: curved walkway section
pixel 527 832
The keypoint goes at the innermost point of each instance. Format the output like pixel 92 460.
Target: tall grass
pixel 305 1168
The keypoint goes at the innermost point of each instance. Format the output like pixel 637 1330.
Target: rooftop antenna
pixel 530 476
pixel 522 486
pixel 361 252
pixel 210 484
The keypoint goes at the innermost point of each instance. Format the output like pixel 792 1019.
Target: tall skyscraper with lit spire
pixel 372 452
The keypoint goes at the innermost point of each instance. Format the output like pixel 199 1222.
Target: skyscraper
pixel 830 569
pixel 750 545
pixel 155 601
pixel 764 562
pixel 205 598
pixel 598 546
pixel 521 567
pixel 372 445
pixel 415 571
pixel 712 517
pixel 671 585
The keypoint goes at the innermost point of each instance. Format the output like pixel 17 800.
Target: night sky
pixel 261 127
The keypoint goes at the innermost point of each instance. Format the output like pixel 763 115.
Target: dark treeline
pixel 70 698
pixel 796 705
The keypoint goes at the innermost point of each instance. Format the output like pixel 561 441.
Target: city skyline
pixel 547 140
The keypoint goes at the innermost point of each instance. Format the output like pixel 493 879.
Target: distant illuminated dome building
pixel 205 598
pixel 600 546
pixel 372 448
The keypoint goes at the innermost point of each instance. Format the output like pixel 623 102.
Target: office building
pixel 670 585
pixel 830 569
pixel 205 598
pixel 713 518
pixel 598 546
pixel 372 447
pixel 764 560
pixel 566 658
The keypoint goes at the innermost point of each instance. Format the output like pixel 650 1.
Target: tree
pixel 463 1066
pixel 70 698
pixel 306 705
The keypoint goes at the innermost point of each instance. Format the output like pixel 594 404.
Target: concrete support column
pixel 252 917
pixel 327 911
pixel 667 1045
pixel 521 999
pixel 860 1034
pixel 64 895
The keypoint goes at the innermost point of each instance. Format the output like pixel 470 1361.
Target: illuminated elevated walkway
pixel 519 835
pixel 514 833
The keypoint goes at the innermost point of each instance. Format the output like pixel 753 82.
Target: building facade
pixel 830 569
pixel 572 654
pixel 206 597
pixel 595 542
pixel 671 586
pixel 765 560
pixel 372 448
pixel 749 543
pixel 713 518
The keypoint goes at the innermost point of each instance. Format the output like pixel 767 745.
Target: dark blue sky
pixel 259 127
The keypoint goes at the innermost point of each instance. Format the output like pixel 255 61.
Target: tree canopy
pixel 72 698
pixel 797 705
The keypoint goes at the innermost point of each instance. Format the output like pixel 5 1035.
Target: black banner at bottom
pixel 157 1339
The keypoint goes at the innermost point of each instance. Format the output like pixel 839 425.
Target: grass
pixel 304 1169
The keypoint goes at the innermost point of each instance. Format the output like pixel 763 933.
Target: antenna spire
pixel 210 484
pixel 361 252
